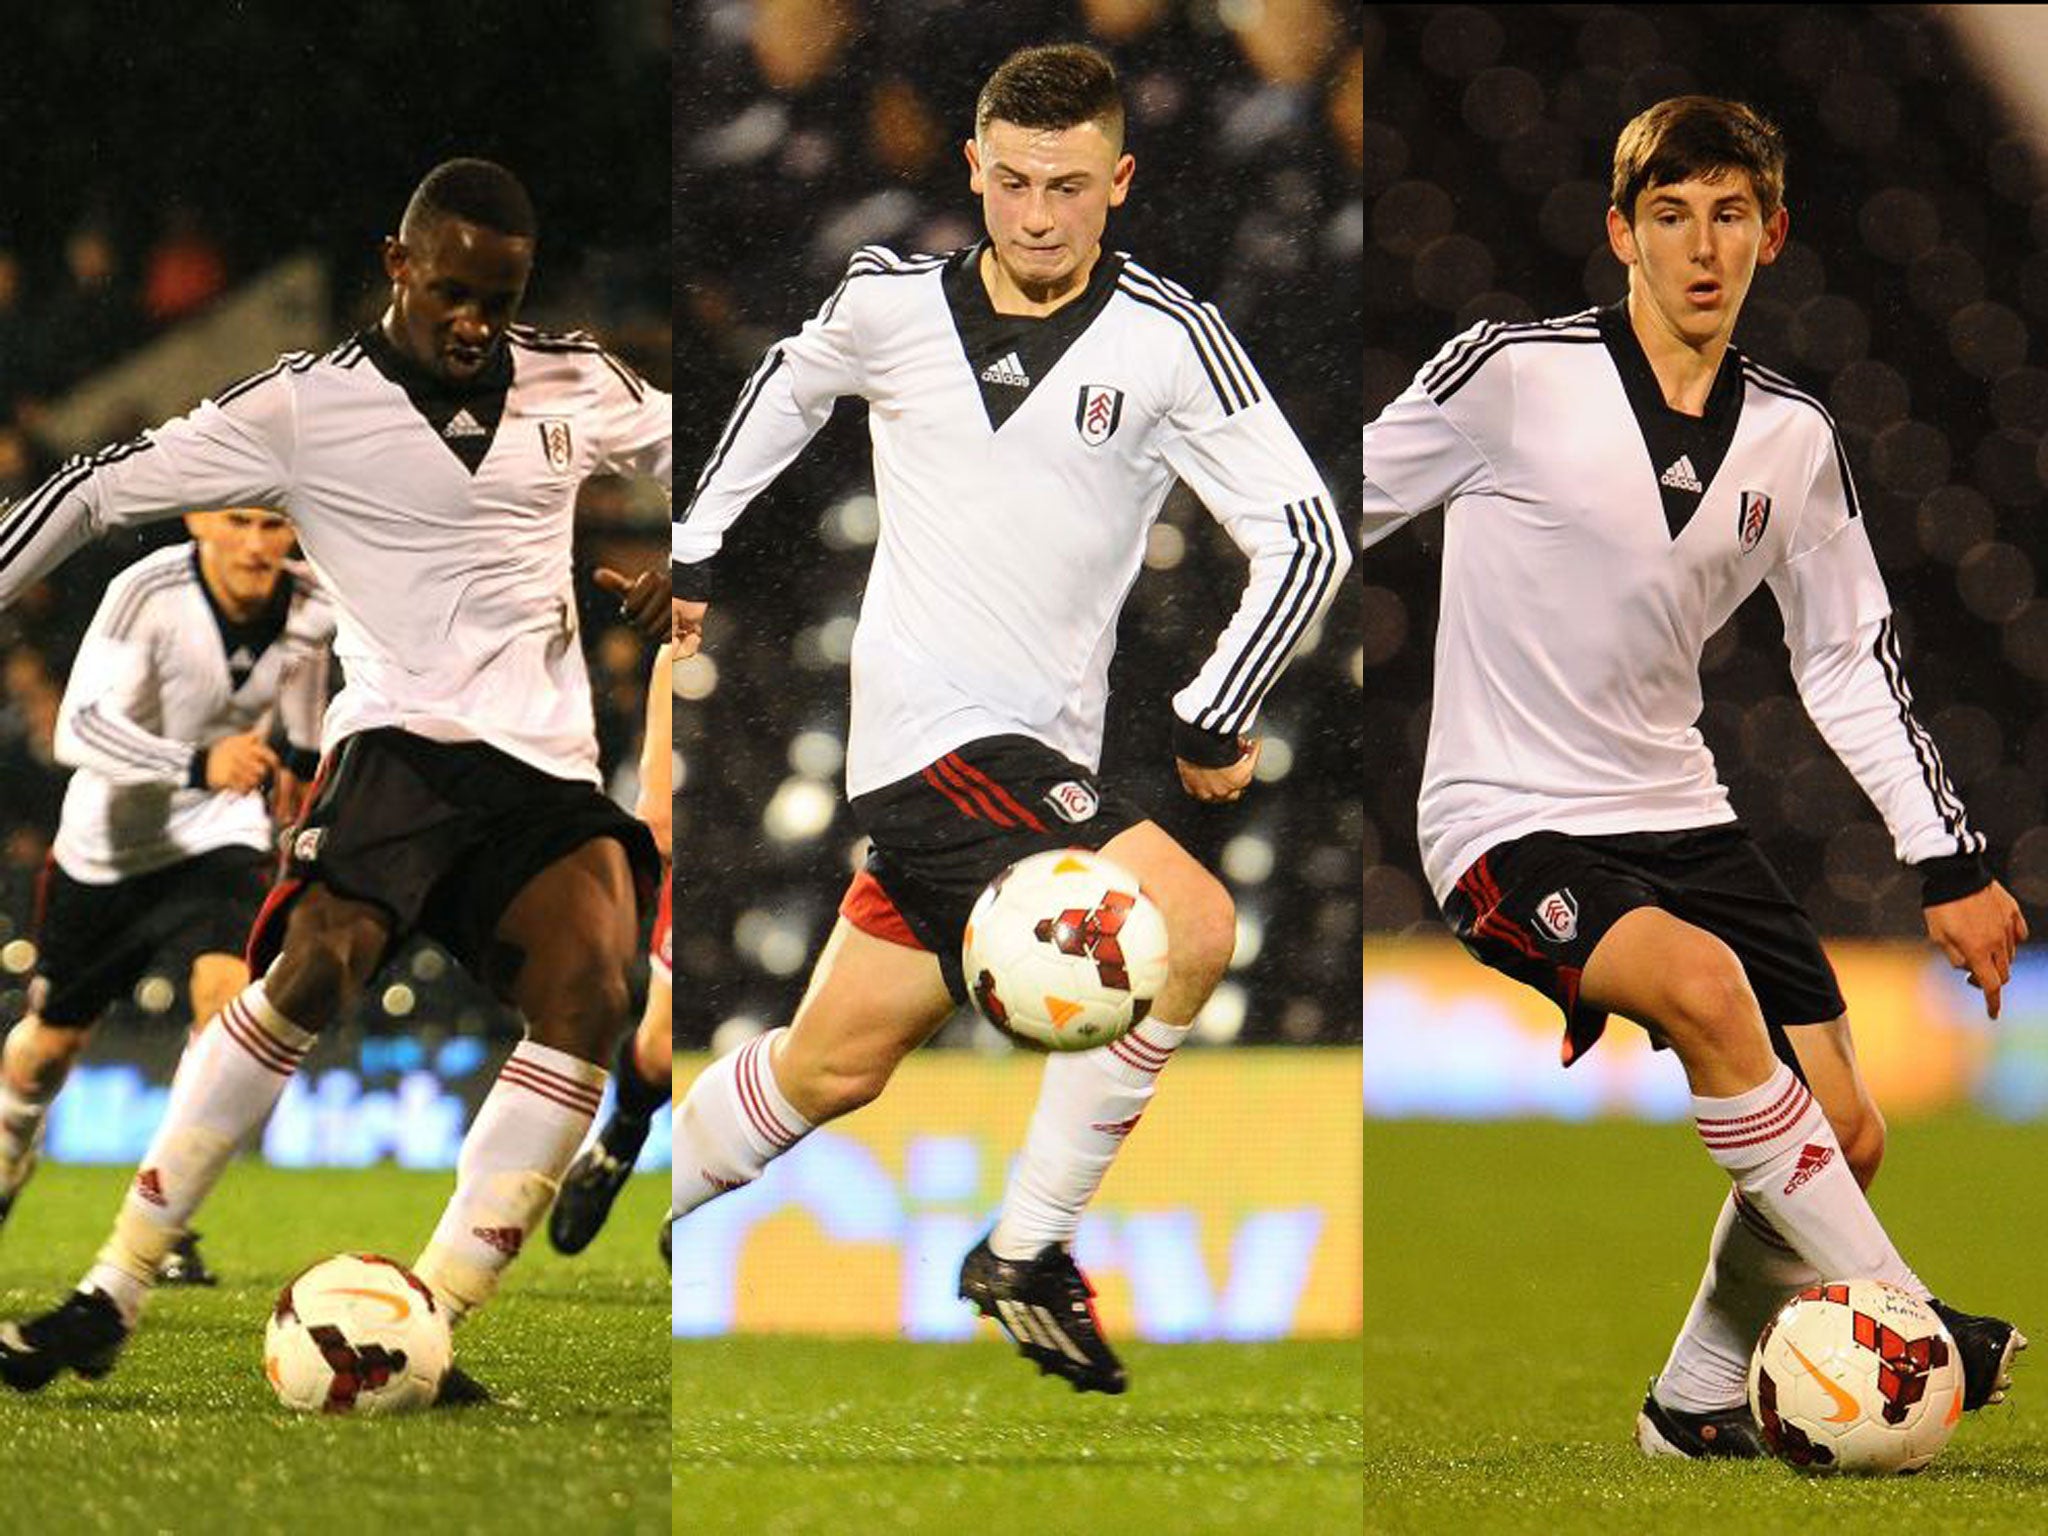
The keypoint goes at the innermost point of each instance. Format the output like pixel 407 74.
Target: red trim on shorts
pixel 1002 794
pixel 868 907
pixel 932 778
pixel 949 768
pixel 258 953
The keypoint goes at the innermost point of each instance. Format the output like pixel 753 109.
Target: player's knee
pixel 1706 1001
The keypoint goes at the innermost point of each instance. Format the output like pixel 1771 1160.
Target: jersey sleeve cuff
pixel 1951 877
pixel 693 582
pixel 1205 749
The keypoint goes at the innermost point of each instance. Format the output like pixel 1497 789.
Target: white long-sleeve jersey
pixel 1019 464
pixel 1594 539
pixel 438 519
pixel 160 675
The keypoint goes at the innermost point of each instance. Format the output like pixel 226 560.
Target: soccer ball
pixel 1064 950
pixel 356 1333
pixel 1856 1376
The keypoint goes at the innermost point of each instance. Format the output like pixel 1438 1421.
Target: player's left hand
pixel 1220 786
pixel 1980 934
pixel 645 601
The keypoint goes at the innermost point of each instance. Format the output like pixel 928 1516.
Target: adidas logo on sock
pixel 1118 1128
pixel 1007 370
pixel 149 1184
pixel 1680 476
pixel 1812 1158
pixel 507 1240
pixel 462 424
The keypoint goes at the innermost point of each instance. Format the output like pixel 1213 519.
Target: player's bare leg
pixel 869 1004
pixel 227 1083
pixel 1798 1196
pixel 563 950
pixel 1023 1274
pixel 34 1063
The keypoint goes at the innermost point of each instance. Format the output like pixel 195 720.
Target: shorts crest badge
pixel 1558 915
pixel 556 444
pixel 1073 801
pixel 1755 518
pixel 1097 415
pixel 306 846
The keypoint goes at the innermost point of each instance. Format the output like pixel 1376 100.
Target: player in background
pixel 1615 484
pixel 165 837
pixel 1032 400
pixel 641 1072
pixel 431 465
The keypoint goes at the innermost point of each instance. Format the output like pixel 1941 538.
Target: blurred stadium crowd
pixel 271 133
pixel 1912 299
pixel 806 128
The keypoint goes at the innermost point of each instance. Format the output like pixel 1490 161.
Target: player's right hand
pixel 240 763
pixel 1980 933
pixel 1220 786
pixel 689 627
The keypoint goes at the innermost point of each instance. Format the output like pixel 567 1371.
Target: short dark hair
pixel 1053 85
pixel 479 191
pixel 1698 136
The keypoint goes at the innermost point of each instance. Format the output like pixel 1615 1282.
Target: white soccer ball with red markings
pixel 1064 950
pixel 1856 1376
pixel 356 1333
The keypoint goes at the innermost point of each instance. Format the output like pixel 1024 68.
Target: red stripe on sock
pixel 577 1107
pixel 754 1099
pixel 269 1052
pixel 1002 794
pixel 1141 1054
pixel 1789 1113
pixel 578 1086
pixel 948 769
pixel 521 1074
pixel 1793 1086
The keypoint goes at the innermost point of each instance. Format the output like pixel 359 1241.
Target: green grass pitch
pixel 802 1437
pixel 1526 1281
pixel 185 1436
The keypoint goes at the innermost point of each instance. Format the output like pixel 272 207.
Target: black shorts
pixel 1535 909
pixel 939 836
pixel 442 836
pixel 93 942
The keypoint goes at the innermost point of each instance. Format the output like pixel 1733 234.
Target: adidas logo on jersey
pixel 1680 476
pixel 1007 370
pixel 1812 1158
pixel 462 424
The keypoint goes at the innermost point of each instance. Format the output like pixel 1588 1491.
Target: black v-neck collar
pixel 1010 355
pixel 464 416
pixel 1685 451
pixel 243 641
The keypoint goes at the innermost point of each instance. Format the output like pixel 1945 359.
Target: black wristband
pixel 195 771
pixel 1205 749
pixel 1951 877
pixel 693 582
pixel 302 762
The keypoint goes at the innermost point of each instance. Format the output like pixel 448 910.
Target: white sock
pixel 1782 1154
pixel 1750 1272
pixel 518 1147
pixel 733 1123
pixel 1088 1103
pixel 228 1081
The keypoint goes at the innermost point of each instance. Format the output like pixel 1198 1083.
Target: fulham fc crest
pixel 1755 518
pixel 1074 801
pixel 1558 915
pixel 1101 408
pixel 554 442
